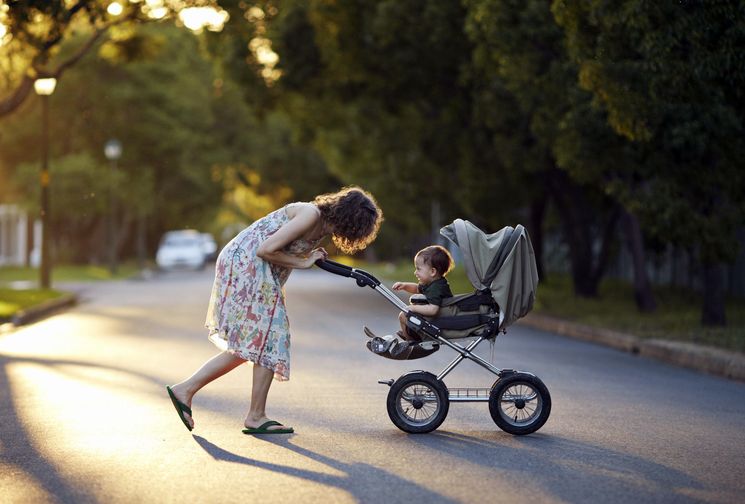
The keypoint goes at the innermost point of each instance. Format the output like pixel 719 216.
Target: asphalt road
pixel 84 416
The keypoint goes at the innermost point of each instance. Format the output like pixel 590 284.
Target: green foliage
pixel 527 82
pixel 162 108
pixel 12 301
pixel 487 107
pixel 376 89
pixel 78 186
pixel 35 36
pixel 670 78
pixel 67 273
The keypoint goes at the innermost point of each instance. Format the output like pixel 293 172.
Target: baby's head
pixel 431 263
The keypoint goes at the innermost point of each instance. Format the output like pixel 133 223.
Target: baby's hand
pixel 398 286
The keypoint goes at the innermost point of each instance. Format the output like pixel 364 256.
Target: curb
pixel 702 358
pixel 43 310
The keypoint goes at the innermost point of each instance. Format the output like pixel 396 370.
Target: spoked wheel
pixel 418 402
pixel 519 403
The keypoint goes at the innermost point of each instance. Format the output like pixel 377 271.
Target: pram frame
pixel 365 279
pixel 437 393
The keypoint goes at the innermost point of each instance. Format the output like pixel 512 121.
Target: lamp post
pixel 113 151
pixel 44 88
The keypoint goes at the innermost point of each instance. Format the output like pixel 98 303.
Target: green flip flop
pixel 264 429
pixel 181 408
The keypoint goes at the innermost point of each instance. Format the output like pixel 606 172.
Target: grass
pixel 677 316
pixel 13 300
pixel 66 273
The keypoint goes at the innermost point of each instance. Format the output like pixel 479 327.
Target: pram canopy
pixel 502 263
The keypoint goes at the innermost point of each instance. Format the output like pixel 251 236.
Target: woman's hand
pixel 316 254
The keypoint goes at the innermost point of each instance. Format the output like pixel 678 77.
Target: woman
pixel 247 318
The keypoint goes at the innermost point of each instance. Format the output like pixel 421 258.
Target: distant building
pixel 15 242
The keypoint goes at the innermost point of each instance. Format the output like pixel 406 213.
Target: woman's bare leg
pixel 262 380
pixel 210 370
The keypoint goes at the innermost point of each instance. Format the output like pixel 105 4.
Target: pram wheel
pixel 418 402
pixel 519 403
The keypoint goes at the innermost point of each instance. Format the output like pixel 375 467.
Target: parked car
pixel 210 247
pixel 181 249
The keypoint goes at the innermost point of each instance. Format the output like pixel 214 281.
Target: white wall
pixel 13 226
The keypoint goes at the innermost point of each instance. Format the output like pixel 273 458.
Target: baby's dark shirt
pixel 436 291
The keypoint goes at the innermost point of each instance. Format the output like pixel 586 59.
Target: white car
pixel 209 245
pixel 181 249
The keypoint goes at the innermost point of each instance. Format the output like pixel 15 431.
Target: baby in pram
pixel 431 265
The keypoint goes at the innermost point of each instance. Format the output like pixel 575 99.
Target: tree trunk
pixel 565 197
pixel 29 239
pixel 576 215
pixel 609 234
pixel 635 242
pixel 10 103
pixel 713 313
pixel 537 214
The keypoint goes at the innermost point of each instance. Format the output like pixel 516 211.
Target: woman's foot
pixel 180 394
pixel 252 423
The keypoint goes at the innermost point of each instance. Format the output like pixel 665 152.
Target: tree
pixel 670 78
pixel 33 32
pixel 162 106
pixel 371 89
pixel 379 96
pixel 518 50
pixel 78 203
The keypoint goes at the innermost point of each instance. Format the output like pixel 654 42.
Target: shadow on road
pixel 387 487
pixel 570 470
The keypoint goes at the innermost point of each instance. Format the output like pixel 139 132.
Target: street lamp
pixel 113 151
pixel 44 88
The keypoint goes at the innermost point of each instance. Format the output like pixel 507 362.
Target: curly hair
pixel 354 217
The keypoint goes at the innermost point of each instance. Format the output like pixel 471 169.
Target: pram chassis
pixel 514 388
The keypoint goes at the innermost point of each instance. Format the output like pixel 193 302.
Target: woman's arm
pixel 304 220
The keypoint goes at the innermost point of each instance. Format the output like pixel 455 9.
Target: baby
pixel 431 264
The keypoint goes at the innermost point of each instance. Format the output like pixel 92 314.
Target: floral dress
pixel 247 315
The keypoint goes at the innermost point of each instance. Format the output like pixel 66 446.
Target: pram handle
pixel 363 278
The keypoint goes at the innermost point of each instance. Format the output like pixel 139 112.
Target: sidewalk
pixel 698 357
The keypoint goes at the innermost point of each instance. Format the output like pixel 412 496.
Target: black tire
pixel 418 402
pixel 519 403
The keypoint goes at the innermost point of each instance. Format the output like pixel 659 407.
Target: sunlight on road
pixel 94 420
pixel 20 487
pixel 84 417
pixel 81 407
pixel 79 416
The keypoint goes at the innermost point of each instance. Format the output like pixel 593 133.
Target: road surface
pixel 84 416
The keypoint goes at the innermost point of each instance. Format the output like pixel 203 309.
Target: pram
pixel 502 269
